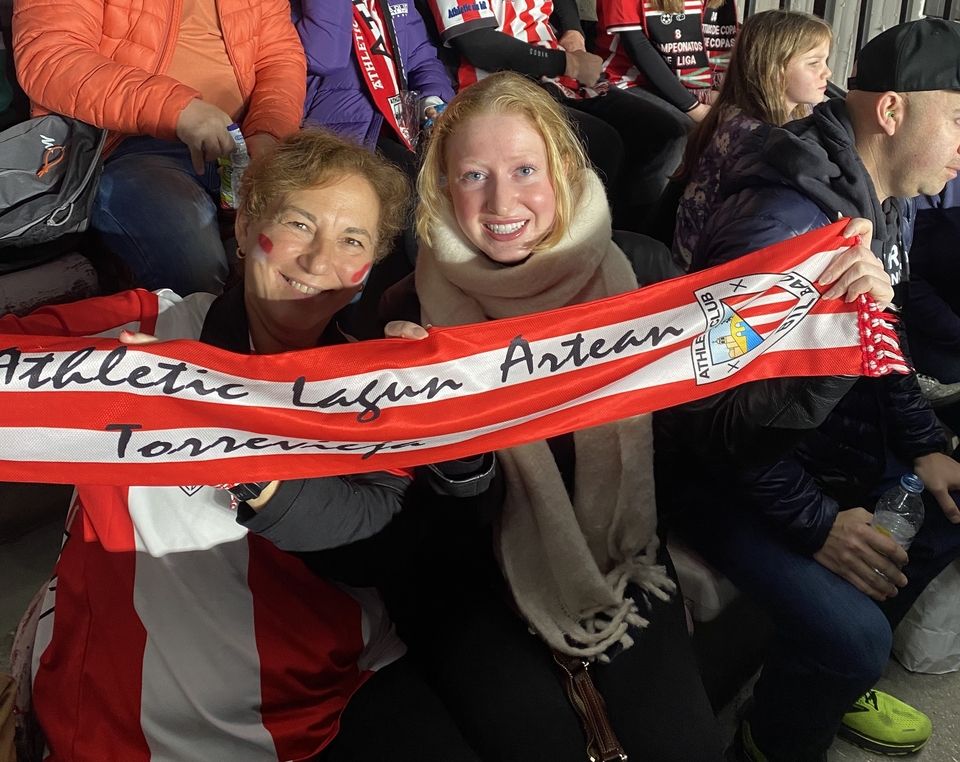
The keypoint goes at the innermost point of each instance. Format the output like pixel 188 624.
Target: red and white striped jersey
pixel 526 20
pixel 169 632
pixel 677 36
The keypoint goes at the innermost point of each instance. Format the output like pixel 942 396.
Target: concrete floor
pixel 27 562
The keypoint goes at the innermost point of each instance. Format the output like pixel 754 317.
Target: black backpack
pixel 49 170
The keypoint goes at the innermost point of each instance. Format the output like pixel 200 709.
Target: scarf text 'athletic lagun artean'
pixel 90 411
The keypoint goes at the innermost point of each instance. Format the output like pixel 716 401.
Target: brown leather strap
pixel 602 742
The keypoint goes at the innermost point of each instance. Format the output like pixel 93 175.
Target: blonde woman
pixel 777 72
pixel 632 141
pixel 512 221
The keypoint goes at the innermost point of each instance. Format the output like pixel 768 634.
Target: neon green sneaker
pixel 884 724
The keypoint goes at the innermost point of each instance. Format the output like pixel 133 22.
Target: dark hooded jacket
pixel 806 175
pixel 796 450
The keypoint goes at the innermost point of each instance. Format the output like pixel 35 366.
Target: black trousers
pixel 477 685
pixel 497 696
pixel 654 135
pixel 507 694
pixel 602 142
pixel 396 717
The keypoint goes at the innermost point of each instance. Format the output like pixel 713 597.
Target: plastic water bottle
pixel 232 168
pixel 899 512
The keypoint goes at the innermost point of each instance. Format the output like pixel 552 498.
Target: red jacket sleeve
pixel 87 317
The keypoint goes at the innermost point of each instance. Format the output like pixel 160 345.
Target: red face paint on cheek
pixel 265 243
pixel 360 274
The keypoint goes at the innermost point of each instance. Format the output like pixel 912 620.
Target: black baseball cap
pixel 919 55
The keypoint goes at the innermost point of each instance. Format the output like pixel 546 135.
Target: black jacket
pixel 806 175
pixel 933 302
pixel 796 450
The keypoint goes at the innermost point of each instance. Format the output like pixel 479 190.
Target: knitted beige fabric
pixel 567 563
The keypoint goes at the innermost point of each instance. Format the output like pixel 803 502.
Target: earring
pixel 240 253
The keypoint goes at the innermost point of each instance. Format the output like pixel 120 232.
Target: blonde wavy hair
pixel 755 81
pixel 503 93
pixel 313 158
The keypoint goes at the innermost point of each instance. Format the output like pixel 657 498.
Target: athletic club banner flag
pixel 92 411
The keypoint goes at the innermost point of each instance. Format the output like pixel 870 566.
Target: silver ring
pixel 881 574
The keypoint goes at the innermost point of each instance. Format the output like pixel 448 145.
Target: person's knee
pixel 604 145
pixel 860 642
pixel 130 200
pixel 659 120
pixel 675 127
pixel 162 225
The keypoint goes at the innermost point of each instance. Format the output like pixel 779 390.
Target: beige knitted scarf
pixel 567 563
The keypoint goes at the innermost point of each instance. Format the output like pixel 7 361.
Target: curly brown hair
pixel 313 158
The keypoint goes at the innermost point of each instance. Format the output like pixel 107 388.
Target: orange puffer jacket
pixel 102 61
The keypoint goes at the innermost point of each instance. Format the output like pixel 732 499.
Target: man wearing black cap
pixel 774 482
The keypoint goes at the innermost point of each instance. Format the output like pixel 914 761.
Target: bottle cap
pixel 912 483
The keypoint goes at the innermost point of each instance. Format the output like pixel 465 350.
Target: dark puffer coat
pixel 796 450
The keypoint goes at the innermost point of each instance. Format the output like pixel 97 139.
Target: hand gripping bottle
pixel 899 512
pixel 232 168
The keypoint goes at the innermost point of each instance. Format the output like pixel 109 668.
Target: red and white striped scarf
pixel 378 64
pixel 88 411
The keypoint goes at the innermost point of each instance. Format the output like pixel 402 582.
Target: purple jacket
pixel 337 96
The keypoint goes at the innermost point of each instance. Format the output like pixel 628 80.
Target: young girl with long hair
pixel 778 71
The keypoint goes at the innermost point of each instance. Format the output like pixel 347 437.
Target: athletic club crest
pixel 745 318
